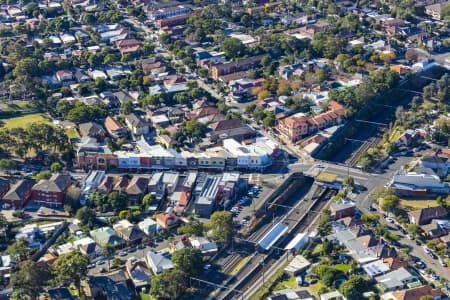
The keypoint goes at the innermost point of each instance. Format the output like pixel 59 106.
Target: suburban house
pixel 167 220
pixel 434 10
pixel 4 187
pixel 413 294
pixel 51 191
pixel 148 226
pixel 425 215
pixel 106 235
pixel 19 193
pixel 92 129
pixel 106 185
pixel 128 232
pixel 110 287
pixel 138 273
pixel 342 208
pixel 129 46
pixel 233 67
pixel 121 183
pixel 136 125
pixel 396 280
pixel 114 128
pixel 158 262
pixel 136 189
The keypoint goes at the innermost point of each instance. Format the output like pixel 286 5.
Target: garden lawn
pixel 24 121
pixel 417 204
pixel 342 267
pixel 288 283
pixel 314 288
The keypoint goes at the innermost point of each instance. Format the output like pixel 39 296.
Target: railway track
pixel 297 221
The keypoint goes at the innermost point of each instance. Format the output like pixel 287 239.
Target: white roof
pixel 297 240
pixel 299 263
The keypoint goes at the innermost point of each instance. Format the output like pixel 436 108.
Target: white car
pixel 426 250
pixel 390 220
pixel 409 236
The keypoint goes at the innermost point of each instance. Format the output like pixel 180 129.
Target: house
pixel 413 294
pixel 290 294
pixel 332 296
pixel 342 208
pixel 114 128
pixel 106 235
pixel 157 262
pixel 4 187
pixel 88 247
pixel 128 232
pixel 51 191
pixel 138 273
pixel 92 129
pixel 167 220
pixel 136 189
pixel 425 215
pixel 121 183
pixel 123 97
pixel 136 125
pixel 129 46
pixel 434 229
pixel 220 69
pixel 61 293
pixel 207 247
pixel 65 77
pixel 397 279
pixel 148 226
pixel 106 185
pixel 434 10
pixel 81 76
pixel 110 287
pixel 230 129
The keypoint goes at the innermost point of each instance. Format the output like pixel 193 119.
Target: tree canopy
pixel 188 260
pixel 222 227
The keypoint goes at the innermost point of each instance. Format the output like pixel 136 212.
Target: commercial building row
pixel 232 155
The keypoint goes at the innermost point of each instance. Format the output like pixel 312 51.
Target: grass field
pixel 343 268
pixel 314 288
pixel 72 133
pixel 289 283
pixel 24 121
pixel 417 204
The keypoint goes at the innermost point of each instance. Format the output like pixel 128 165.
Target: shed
pixel 271 237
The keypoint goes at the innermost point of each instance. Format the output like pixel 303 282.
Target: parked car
pixel 100 262
pixel 389 219
pixel 123 253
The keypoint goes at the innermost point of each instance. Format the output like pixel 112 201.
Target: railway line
pixel 298 219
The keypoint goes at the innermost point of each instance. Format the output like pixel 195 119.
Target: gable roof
pixel 17 191
pixel 91 129
pixel 425 215
pixel 56 183
pixel 137 186
pixel 226 124
pixel 417 293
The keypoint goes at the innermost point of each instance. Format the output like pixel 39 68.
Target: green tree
pixel 70 268
pixel 29 278
pixel 86 216
pixel 193 228
pixel 349 182
pixel 118 200
pixel 354 287
pixel 148 200
pixel 389 203
pixel 55 167
pixel 222 227
pixel 188 260
pixel 7 165
pixel 169 284
pixel 108 251
pixel 19 249
pixel 233 48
